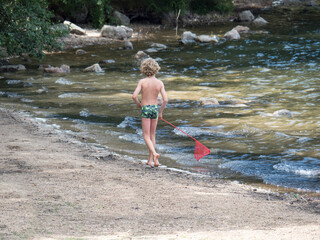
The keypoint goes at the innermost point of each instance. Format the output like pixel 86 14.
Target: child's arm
pixel 135 95
pixel 164 102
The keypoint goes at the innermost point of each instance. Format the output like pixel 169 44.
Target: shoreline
pixel 53 187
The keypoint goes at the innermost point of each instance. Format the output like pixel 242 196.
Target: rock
pixel 94 68
pixel 74 28
pixel 107 61
pixel 123 19
pixel 188 37
pixel 152 50
pixel 12 68
pixel 246 16
pixel 128 30
pixel 128 45
pixel 119 32
pixel 140 56
pixel 282 113
pixel 241 29
pixel 81 52
pixel 158 46
pixel 232 35
pixel 259 21
pixel 209 101
pixel 62 69
pixel 207 38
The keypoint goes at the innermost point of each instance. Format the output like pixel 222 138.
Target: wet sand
pixel 53 187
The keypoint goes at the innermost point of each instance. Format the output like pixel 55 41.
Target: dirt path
pixel 52 188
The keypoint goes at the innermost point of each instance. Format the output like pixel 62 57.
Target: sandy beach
pixel 53 187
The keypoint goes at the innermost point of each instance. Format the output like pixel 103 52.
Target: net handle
pixel 179 129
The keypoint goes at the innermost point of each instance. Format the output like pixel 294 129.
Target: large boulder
pixel 188 37
pixel 259 21
pixel 232 35
pixel 242 29
pixel 123 19
pixel 74 28
pixel 246 16
pixel 116 32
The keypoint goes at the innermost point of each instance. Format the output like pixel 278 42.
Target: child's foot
pixel 155 159
pixel 149 163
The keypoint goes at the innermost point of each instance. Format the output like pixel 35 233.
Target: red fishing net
pixel 200 151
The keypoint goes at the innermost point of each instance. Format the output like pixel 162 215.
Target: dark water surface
pixel 251 78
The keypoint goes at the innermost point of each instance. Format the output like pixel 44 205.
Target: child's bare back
pixel 150 88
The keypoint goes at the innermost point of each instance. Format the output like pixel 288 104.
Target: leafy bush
pixel 26 28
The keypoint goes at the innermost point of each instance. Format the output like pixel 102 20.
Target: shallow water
pixel 251 78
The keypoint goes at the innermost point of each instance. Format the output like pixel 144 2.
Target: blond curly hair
pixel 149 67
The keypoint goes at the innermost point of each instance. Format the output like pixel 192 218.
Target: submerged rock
pixel 81 52
pixel 232 35
pixel 107 61
pixel 12 68
pixel 209 101
pixel 62 69
pixel 94 68
pixel 159 46
pixel 152 50
pixel 282 113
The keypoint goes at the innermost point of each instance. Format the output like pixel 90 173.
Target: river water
pixel 251 78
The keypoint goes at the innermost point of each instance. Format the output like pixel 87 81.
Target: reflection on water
pixel 250 78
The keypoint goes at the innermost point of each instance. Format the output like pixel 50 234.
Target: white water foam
pixel 297 170
pixel 128 122
pixel 13 82
pixel 64 81
pixel 85 113
pixel 72 95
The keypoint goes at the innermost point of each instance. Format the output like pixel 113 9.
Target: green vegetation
pixel 26 25
pixel 25 28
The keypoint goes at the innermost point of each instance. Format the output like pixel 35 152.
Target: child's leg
pixel 146 127
pixel 153 127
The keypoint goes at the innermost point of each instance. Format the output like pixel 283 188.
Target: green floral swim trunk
pixel 149 111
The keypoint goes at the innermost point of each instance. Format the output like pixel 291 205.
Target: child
pixel 150 88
